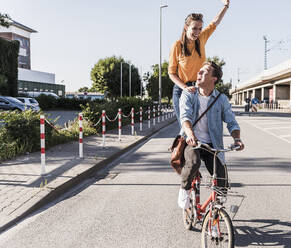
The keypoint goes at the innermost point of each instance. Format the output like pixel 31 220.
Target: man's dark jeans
pixel 192 163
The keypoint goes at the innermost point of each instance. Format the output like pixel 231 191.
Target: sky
pixel 74 34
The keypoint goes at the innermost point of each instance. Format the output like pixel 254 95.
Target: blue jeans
pixel 177 92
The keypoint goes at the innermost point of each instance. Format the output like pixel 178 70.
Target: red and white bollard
pixel 103 127
pixel 159 110
pixel 81 135
pixel 42 144
pixel 132 121
pixel 119 124
pixel 149 117
pixel 154 115
pixel 140 118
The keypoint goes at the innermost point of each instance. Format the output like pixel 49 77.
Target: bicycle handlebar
pixel 200 144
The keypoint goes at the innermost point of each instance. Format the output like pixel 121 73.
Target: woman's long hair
pixel 188 20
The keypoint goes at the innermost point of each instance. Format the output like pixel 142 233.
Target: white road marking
pixel 266 131
pixel 275 123
pixel 270 128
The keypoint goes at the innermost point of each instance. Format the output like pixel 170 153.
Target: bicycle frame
pixel 212 199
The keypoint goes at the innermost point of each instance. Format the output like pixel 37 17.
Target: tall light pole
pixel 160 64
pixel 129 80
pixel 238 79
pixel 120 79
pixel 141 82
pixel 266 50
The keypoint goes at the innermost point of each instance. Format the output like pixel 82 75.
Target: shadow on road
pixel 268 233
pixel 259 163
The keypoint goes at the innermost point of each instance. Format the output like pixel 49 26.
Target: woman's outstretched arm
pixel 220 15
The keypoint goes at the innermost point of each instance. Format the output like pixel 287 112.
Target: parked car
pixel 11 103
pixel 29 102
pixel 37 94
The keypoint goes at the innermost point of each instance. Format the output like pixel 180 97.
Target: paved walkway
pixel 23 190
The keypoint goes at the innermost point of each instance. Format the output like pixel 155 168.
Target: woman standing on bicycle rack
pixel 188 54
pixel 209 129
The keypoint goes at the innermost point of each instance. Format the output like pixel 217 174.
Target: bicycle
pixel 217 228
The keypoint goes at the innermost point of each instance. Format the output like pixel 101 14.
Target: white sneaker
pixel 184 198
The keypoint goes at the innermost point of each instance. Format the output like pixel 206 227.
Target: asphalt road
pixel 134 204
pixel 60 117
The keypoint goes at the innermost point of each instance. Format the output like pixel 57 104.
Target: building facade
pixel 29 80
pixel 271 86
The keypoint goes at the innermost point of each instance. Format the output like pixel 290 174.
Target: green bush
pixel 49 102
pixel 20 133
pixel 46 102
pixel 24 129
pixel 92 111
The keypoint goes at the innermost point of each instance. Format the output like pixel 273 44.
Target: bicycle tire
pixel 226 229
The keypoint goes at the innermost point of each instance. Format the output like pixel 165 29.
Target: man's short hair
pixel 216 72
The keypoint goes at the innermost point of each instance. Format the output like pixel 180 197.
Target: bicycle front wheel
pixel 217 230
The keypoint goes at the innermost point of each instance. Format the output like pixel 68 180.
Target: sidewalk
pixel 240 110
pixel 23 190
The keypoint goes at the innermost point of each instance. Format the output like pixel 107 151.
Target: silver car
pixel 11 103
pixel 29 102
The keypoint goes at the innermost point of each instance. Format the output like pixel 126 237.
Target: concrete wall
pixel 15 30
pixel 283 92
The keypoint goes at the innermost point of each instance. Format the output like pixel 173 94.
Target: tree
pixel 153 82
pixel 4 20
pixel 106 77
pixel 221 87
pixel 224 88
pixel 84 89
pixel 4 87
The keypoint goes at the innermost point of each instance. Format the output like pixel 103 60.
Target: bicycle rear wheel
pixel 222 232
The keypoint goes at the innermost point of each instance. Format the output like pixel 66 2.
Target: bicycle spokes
pixel 217 230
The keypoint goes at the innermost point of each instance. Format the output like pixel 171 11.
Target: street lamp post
pixel 129 80
pixel 121 79
pixel 160 64
pixel 141 82
pixel 266 50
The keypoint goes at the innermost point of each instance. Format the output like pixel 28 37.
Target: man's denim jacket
pixel 220 112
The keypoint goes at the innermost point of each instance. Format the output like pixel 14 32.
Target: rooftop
pixel 21 26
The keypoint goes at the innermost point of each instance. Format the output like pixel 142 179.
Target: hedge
pixel 20 133
pixel 9 67
pixel 92 111
pixel 49 102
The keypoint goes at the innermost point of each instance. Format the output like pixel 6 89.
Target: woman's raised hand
pixel 225 2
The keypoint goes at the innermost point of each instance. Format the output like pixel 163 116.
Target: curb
pixel 63 188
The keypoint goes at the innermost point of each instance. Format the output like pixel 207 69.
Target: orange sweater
pixel 187 67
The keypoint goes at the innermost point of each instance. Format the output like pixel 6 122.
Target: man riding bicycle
pixel 209 129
